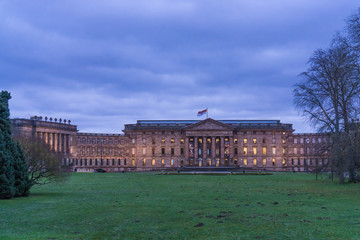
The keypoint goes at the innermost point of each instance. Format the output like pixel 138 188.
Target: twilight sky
pixel 106 63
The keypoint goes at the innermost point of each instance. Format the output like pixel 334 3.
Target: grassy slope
pixel 149 206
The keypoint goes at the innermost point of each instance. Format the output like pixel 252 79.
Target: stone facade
pixel 168 145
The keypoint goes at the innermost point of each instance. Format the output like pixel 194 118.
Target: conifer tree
pixel 7 178
pixel 22 183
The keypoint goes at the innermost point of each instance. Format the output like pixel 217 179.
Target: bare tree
pixel 44 165
pixel 328 97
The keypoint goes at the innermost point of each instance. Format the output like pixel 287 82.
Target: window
pixel 292 161
pixel 125 161
pixel 235 140
pixel 172 162
pixel 264 151
pixel 91 162
pixel 245 140
pixel 163 151
pixel 181 151
pixel 245 151
pixel 163 140
pixel 295 151
pixel 172 140
pixel 264 140
pixel 133 141
pixel 264 161
pixel 162 162
pixel 273 161
pixel 85 162
pixel 254 162
pixel 144 162
pixel 153 162
pixel 295 141
pixel 113 161
pixel 284 150
pixel 144 140
pixel 273 150
pixel 235 151
pixel 299 161
pixel 119 161
pixel 172 151
pixel 153 151
pixel 254 140
pixel 273 140
pixel 245 162
pixel 153 140
pixel 182 141
pixel 283 133
pixel 283 140
pixel 283 162
pixel 133 151
pixel 235 161
pixel 110 141
pixel 254 150
pixel 133 162
pixel 107 162
pixel 144 150
pixel 96 162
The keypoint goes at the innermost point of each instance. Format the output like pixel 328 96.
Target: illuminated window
pixel 133 141
pixel 172 162
pixel 182 141
pixel 162 162
pixel 284 151
pixel 245 162
pixel 144 162
pixel 133 151
pixel 153 162
pixel 235 161
pixel 200 140
pixel 245 140
pixel 273 161
pixel 264 161
pixel 283 161
pixel 264 150
pixel 235 140
pixel 273 150
pixel 209 140
pixel 254 150
pixel 163 140
pixel 245 150
pixel 172 140
pixel 254 162
pixel 133 162
pixel 254 140
pixel 283 140
pixel 283 133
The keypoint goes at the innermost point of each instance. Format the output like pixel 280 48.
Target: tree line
pixel 328 96
pixel 24 162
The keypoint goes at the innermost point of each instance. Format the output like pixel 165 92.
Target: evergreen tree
pixel 22 183
pixel 7 178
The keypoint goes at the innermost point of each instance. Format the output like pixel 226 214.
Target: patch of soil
pixel 199 224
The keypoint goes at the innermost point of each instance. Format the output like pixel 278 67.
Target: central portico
pixel 209 143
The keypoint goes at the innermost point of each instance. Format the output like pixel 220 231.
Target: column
pixel 222 150
pixel 204 155
pixel 231 150
pixel 67 143
pixel 186 163
pixel 196 151
pixel 213 152
pixel 56 142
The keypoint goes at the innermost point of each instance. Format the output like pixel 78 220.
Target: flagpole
pixel 207 113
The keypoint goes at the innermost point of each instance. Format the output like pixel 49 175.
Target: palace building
pixel 158 145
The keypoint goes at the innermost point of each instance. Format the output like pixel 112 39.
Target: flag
pixel 202 112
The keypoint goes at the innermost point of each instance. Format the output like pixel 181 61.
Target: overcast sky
pixel 103 64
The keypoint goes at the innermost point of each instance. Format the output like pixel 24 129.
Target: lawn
pixel 151 206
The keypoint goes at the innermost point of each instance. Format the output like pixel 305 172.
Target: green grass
pixel 150 206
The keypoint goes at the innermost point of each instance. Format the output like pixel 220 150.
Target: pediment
pixel 209 125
